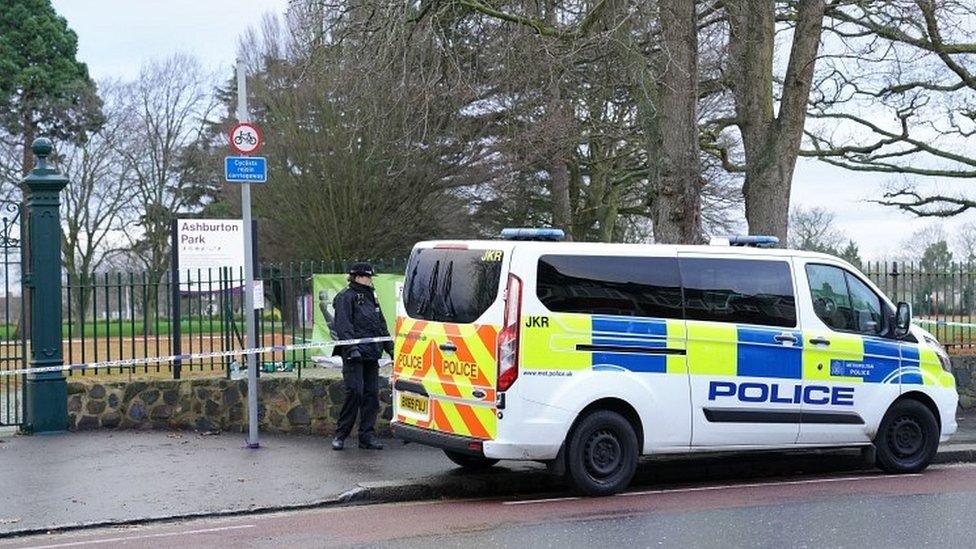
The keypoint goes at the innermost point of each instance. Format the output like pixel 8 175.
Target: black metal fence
pixel 112 316
pixel 943 297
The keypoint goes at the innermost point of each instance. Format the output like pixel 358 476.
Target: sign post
pixel 245 138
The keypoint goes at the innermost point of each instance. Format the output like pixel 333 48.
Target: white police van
pixel 586 356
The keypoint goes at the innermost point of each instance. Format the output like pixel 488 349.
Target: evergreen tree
pixel 937 267
pixel 851 254
pixel 44 89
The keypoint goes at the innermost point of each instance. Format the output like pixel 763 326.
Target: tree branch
pixel 908 200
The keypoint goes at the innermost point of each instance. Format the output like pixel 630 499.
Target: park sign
pixel 208 249
pixel 245 169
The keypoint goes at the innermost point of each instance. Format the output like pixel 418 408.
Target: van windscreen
pixel 451 285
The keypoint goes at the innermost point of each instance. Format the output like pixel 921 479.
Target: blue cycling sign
pixel 245 169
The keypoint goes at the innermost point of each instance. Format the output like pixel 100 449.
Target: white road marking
pixel 756 484
pixel 144 536
pixel 722 487
pixel 547 500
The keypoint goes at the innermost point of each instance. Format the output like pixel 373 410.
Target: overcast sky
pixel 116 36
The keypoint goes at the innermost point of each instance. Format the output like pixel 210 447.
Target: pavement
pixel 75 480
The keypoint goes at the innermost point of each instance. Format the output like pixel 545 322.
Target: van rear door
pixel 445 369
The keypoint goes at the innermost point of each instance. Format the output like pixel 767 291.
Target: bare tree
pixel 10 167
pixel 769 111
pixel 761 141
pixel 94 201
pixel 657 44
pixel 814 229
pixel 607 128
pixel 584 114
pixel 677 177
pixel 365 145
pixel 168 107
pixel 896 96
pixel 964 239
pixel 913 248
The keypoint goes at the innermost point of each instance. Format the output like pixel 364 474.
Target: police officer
pixel 358 316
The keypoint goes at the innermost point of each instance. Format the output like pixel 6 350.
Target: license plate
pixel 414 406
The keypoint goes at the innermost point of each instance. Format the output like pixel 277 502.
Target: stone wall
pixel 308 406
pixel 964 368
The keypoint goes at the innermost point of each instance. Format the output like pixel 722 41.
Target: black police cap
pixel 361 269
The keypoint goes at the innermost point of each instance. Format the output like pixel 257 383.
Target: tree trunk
pixel 82 290
pixel 610 213
pixel 560 119
pixel 676 202
pixel 27 161
pixel 562 216
pixel 768 182
pixel 771 142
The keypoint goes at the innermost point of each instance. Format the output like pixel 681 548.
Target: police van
pixel 586 356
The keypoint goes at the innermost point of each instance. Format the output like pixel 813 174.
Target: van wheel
pixel 472 463
pixel 908 438
pixel 601 456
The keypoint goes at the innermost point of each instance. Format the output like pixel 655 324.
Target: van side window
pixel 842 301
pixel 831 301
pixel 610 285
pixel 739 290
pixel 866 306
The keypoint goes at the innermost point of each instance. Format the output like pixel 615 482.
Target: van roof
pixel 569 247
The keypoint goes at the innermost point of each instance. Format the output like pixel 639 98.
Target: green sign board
pixel 326 286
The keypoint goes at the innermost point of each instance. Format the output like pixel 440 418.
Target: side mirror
pixel 903 319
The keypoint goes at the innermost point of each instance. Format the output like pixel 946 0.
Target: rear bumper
pixel 427 437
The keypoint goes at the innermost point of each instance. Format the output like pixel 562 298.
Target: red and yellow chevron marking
pixel 450 378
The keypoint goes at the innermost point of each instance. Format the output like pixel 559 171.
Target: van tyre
pixel 908 438
pixel 469 462
pixel 601 455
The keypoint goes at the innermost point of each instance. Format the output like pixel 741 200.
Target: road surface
pixel 860 510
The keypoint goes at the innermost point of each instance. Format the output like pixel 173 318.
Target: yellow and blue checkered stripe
pixel 606 343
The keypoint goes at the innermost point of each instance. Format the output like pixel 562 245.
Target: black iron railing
pixel 111 316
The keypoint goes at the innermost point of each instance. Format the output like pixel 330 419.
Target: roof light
pixel 755 241
pixel 549 234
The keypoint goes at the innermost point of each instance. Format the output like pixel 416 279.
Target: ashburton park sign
pixel 205 246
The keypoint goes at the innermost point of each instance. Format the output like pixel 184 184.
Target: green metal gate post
pixel 47 392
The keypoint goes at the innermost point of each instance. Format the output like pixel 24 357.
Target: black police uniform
pixel 358 316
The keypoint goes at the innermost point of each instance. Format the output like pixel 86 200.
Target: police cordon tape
pixel 946 323
pixel 127 362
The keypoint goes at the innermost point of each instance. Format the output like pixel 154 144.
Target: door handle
pixel 785 338
pixel 819 341
pixel 449 347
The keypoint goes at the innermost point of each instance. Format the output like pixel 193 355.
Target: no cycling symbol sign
pixel 245 139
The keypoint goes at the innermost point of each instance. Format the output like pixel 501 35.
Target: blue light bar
pixel 550 234
pixel 756 241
